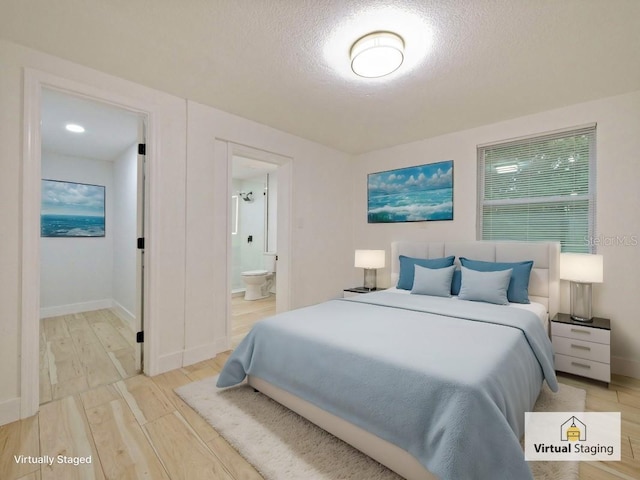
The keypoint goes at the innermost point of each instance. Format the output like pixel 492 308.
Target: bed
pixel 431 387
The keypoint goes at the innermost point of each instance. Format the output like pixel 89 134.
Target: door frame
pixel 34 82
pixel 284 222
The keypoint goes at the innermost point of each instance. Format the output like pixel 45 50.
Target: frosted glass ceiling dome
pixel 377 54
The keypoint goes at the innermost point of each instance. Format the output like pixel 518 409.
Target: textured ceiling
pixel 285 62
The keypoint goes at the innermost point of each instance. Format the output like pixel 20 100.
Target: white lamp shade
pixel 369 258
pixel 581 267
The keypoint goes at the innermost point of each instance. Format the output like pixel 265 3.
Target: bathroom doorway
pixel 254 247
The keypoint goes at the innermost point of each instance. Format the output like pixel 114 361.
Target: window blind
pixel 539 188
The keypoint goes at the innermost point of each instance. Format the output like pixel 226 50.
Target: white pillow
pixel 490 287
pixel 432 281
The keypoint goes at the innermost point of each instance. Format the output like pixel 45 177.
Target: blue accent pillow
pixel 432 281
pixel 518 291
pixel 490 287
pixel 407 268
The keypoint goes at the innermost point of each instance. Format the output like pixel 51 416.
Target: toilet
pixel 260 283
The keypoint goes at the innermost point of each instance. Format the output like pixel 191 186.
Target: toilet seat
pixel 251 273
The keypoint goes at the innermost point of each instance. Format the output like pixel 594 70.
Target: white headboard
pixel 544 285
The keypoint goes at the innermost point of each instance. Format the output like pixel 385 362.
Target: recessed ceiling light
pixel 72 127
pixel 377 54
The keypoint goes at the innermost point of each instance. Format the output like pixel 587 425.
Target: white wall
pixel 125 204
pixel 251 218
pixel 321 231
pixel 188 216
pixel 81 274
pixel 618 171
pixel 251 223
pixel 76 272
pixel 166 308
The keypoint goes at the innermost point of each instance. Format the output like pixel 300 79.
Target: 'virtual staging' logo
pixel 570 432
pixel 543 443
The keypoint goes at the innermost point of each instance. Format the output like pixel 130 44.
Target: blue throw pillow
pixel 490 287
pixel 407 268
pixel 518 291
pixel 433 281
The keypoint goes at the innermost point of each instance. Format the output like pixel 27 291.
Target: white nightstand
pixel 582 348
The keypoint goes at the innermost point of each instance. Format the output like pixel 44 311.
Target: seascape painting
pixel 72 209
pixel 412 194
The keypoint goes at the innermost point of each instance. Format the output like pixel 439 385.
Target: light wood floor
pixel 244 313
pixel 139 428
pixel 84 350
pixel 88 349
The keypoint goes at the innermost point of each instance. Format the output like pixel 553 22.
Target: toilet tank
pixel 270 261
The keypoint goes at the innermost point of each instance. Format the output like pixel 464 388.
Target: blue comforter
pixel 446 380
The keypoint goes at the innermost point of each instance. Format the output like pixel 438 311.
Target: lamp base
pixel 580 319
pixel 581 302
pixel 370 278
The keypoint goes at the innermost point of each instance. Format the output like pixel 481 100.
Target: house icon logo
pixel 573 430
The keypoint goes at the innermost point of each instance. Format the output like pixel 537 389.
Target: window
pixel 540 188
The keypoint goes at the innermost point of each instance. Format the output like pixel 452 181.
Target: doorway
pixel 254 207
pixel 259 237
pixel 92 204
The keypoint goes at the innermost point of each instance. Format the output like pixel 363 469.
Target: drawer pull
pixel 576 330
pixel 581 347
pixel 576 364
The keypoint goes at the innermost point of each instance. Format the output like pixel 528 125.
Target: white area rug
pixel 281 445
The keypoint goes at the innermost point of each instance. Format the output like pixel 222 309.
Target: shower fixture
pixel 247 197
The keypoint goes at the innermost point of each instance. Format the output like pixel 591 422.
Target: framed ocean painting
pixel 72 209
pixel 413 194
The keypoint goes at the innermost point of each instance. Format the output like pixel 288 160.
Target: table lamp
pixel 582 270
pixel 370 260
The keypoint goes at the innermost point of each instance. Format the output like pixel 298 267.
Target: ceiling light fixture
pixel 377 54
pixel 72 127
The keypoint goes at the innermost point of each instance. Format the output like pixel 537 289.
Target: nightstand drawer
pixel 573 347
pixel 584 368
pixel 579 332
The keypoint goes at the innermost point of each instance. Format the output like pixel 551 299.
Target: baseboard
pixel 625 366
pixel 9 410
pixel 204 352
pixel 125 315
pixel 47 312
pixel 169 362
